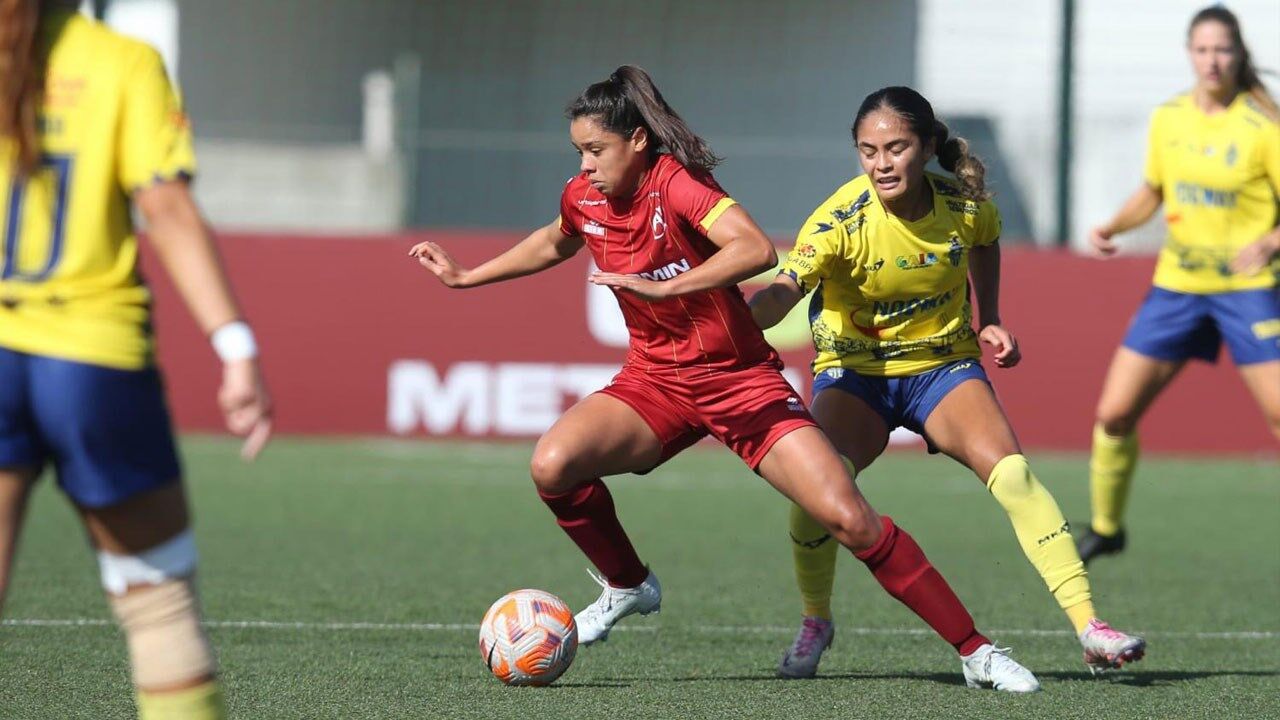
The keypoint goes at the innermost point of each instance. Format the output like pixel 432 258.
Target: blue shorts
pixel 1178 326
pixel 106 431
pixel 902 401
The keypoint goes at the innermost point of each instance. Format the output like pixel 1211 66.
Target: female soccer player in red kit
pixel 673 245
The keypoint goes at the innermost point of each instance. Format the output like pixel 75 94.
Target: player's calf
pixel 154 600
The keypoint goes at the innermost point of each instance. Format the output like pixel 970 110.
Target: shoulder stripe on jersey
pixel 714 213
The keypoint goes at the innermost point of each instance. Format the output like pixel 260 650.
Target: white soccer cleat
pixel 992 666
pixel 801 659
pixel 1108 649
pixel 596 619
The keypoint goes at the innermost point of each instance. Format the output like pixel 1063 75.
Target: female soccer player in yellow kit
pixel 889 257
pixel 1213 161
pixel 88 124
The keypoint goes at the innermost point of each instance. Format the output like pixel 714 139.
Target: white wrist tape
pixel 234 341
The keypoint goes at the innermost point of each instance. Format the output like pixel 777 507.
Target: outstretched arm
pixel 771 305
pixel 543 248
pixel 984 270
pixel 1137 210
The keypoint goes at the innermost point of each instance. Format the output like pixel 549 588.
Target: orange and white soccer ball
pixel 528 637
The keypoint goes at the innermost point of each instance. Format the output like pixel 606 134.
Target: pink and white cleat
pixel 1109 649
pixel 801 659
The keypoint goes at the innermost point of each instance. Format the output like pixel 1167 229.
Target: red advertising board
pixel 358 339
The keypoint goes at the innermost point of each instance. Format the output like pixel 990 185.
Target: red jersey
pixel 658 233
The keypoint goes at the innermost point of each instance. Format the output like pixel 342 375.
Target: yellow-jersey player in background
pixel 889 258
pixel 89 128
pixel 1213 161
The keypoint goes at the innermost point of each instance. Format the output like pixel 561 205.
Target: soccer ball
pixel 528 637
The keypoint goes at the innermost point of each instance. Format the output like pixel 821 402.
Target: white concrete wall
pixel 1000 57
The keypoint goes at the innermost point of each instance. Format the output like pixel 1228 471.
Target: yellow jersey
pixel 891 296
pixel 1219 176
pixel 111 124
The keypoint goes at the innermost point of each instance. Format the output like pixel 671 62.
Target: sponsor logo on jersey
pixel 819 228
pixel 960 365
pixel 592 202
pixel 805 251
pixel 916 261
pixel 906 308
pixel 968 207
pixel 593 228
pixel 1231 155
pixel 668 271
pixel 955 251
pixel 872 267
pixel 794 404
pixel 1195 194
pixel 659 225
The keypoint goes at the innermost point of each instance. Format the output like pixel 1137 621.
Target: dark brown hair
pixel 628 100
pixel 953 152
pixel 21 80
pixel 1246 78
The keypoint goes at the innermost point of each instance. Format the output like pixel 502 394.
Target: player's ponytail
pixel 953 152
pixel 628 100
pixel 955 158
pixel 1247 74
pixel 21 80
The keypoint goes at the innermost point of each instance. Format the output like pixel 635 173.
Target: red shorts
pixel 747 409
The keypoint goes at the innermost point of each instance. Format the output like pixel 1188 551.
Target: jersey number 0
pixel 61 167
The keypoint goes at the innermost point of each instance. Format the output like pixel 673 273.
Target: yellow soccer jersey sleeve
pixel 1219 176
pixel 891 298
pixel 110 125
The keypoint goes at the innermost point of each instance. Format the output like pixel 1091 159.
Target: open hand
pixel 434 258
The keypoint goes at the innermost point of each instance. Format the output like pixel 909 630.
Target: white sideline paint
pixel 705 629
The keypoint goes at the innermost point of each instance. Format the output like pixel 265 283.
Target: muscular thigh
pixel 970 426
pixel 1133 381
pixel 601 435
pixel 856 430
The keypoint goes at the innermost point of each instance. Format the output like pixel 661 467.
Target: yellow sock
pixel 813 551
pixel 1080 614
pixel 202 702
pixel 1042 531
pixel 1110 476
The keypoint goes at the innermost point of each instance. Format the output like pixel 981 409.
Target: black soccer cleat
pixel 1092 545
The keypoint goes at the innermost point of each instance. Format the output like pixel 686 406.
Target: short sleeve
pixel 1152 171
pixel 1269 145
pixel 155 134
pixel 567 210
pixel 697 198
pixel 987 227
pixel 818 247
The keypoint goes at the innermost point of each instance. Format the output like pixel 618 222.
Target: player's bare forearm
pixel 184 244
pixel 541 249
pixel 771 305
pixel 984 270
pixel 1137 210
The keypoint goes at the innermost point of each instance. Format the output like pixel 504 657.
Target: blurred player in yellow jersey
pixel 1213 161
pixel 889 258
pixel 90 125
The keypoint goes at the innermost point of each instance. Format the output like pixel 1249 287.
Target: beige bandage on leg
pixel 153 597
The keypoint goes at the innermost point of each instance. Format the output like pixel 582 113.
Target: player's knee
pixel 153 598
pixel 550 470
pixel 1117 422
pixel 853 527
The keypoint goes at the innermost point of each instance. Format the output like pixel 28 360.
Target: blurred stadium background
pixel 329 131
pixel 343 576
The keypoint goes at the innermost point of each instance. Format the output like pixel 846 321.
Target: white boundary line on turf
pixel 705 629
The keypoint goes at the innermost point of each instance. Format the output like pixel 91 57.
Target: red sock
pixel 902 569
pixel 586 513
